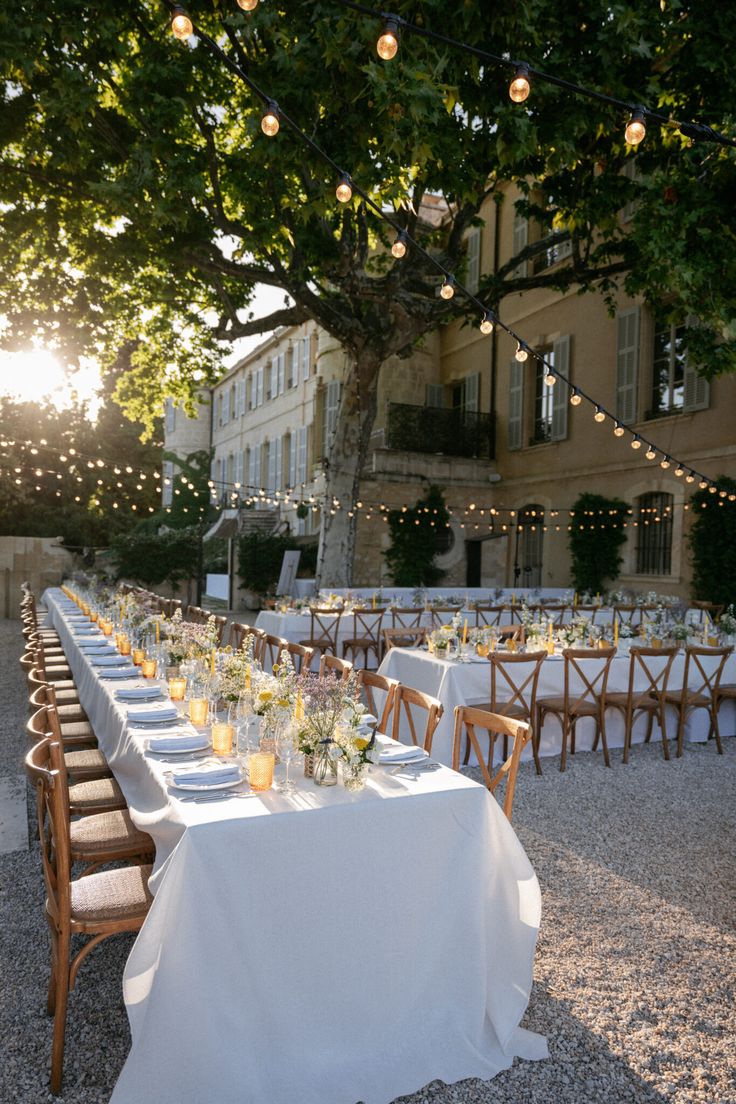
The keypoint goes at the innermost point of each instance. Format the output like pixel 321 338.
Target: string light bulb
pixel 650 453
pixel 575 398
pixel 550 379
pixel 344 191
pixel 679 470
pixel 664 462
pixel 448 288
pixel 398 249
pixel 520 87
pixel 181 25
pixel 618 430
pixel 703 484
pixel 248 5
pixel 521 353
pixel 270 119
pixel 636 127
pixel 599 416
pixel 388 42
pixel 636 442
pixel 690 477
pixel 486 323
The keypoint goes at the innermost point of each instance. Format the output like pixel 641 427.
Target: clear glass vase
pixel 354 776
pixel 325 767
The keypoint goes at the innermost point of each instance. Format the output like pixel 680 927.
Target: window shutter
pixel 627 364
pixel 226 407
pixel 278 463
pixel 301 474
pixel 271 466
pixel 471 392
pixel 561 391
pixel 521 239
pixel 473 271
pixel 281 379
pixel 291 440
pixel 697 388
pixel 305 358
pixel 516 404
pixel 240 468
pixel 259 387
pixel 435 395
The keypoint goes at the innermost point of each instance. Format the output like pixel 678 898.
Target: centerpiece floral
pixel 187 639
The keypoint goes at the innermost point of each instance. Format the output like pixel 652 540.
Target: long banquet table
pixel 323 947
pixel 455 683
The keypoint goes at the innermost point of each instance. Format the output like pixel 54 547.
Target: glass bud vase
pixel 354 776
pixel 325 768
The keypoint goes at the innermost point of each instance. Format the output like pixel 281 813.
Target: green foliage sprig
pixel 414 535
pixel 595 541
pixel 712 541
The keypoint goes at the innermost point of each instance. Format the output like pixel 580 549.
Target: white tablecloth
pixel 468 683
pixel 326 947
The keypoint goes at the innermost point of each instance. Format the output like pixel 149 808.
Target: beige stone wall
pixel 39 561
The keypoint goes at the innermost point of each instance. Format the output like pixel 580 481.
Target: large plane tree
pixel 142 204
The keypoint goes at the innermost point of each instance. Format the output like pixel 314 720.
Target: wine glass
pixel 287 746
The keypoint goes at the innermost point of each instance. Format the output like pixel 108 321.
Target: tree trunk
pixel 347 457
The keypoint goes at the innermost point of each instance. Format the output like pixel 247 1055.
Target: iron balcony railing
pixel 431 429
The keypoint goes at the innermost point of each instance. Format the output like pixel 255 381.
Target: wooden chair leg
pixel 535 751
pixel 650 725
pixel 601 720
pixel 628 728
pixel 60 1002
pixel 563 756
pixel 716 730
pixel 680 730
pixel 663 730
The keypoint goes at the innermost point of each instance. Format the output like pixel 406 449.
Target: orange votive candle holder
pixel 222 738
pixel 148 668
pixel 138 656
pixel 177 688
pixel 198 711
pixel 260 770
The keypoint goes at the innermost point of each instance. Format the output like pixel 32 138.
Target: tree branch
pixel 230 329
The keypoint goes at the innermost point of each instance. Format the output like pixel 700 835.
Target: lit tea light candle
pixel 138 656
pixel 615 633
pixel 93 616
pixel 106 627
pixel 260 770
pixel 177 688
pixel 124 645
pixel 198 711
pixel 148 668
pixel 222 738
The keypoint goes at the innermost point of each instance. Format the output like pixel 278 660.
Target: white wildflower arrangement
pixel 727 623
pixel 187 639
pixel 681 630
pixel 232 672
pixel 626 631
pixel 354 739
pixel 326 702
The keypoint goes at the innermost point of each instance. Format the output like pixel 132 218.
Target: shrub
pixel 170 556
pixel 414 535
pixel 595 541
pixel 712 542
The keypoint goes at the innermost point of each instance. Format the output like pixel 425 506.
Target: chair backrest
pixel 370 685
pixel 367 625
pixel 192 613
pixel 403 638
pixel 238 633
pixel 44 767
pixel 628 615
pixel 406 618
pixel 514 680
pixel 323 628
pixel 329 663
pixel 220 625
pixel 654 666
pixel 586 674
pixel 713 609
pixel 407 704
pixel 273 646
pixel 301 656
pixel 38 726
pixel 470 720
pixel 703 668
pixel 442 615
pixel 488 615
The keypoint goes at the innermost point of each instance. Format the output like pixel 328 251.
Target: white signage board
pixel 289 568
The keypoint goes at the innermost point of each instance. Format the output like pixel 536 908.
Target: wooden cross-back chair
pixel 324 626
pixel 406 700
pixel 409 617
pixel 403 638
pixel 97 905
pixel 653 665
pixel 366 636
pixel 514 679
pixel 713 609
pixel 330 664
pixel 370 685
pixel 584 696
pixel 705 665
pixel 467 721
pixel 301 656
pixel 486 616
pixel 442 615
pixel 272 648
pixel 76 732
pixel 631 615
pixel 92 789
pixel 220 624
pixel 82 764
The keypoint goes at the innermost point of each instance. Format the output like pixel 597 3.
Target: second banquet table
pixel 325 946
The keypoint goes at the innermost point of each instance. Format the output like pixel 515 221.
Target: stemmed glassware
pixel 287 746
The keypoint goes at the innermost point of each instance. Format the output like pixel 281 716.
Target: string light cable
pixel 524 73
pixel 450 286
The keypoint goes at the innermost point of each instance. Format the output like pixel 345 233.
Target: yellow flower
pixel 447 628
pixel 361 743
pixel 283 702
pixel 265 695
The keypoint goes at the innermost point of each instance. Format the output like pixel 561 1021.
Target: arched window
pixel 654 534
pixel 530 545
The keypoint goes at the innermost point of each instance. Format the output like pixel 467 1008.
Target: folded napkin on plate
pixel 183 742
pixel 153 716
pixel 93 647
pixel 117 673
pixel 206 776
pixel 138 693
pixel 401 753
pixel 110 661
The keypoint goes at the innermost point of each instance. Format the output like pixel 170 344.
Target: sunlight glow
pixel 36 374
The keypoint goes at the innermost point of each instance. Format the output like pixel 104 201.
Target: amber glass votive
pixel 138 656
pixel 148 668
pixel 260 770
pixel 124 646
pixel 93 615
pixel 106 627
pixel 177 688
pixel 198 711
pixel 222 738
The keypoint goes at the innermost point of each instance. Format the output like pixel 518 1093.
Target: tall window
pixel 530 544
pixel 654 534
pixel 544 400
pixel 668 375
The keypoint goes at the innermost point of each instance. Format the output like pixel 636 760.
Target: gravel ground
pixel 635 963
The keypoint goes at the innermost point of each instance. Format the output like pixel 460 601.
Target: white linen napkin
pixel 401 753
pixel 206 776
pixel 182 742
pixel 152 716
pixel 110 661
pixel 117 673
pixel 138 693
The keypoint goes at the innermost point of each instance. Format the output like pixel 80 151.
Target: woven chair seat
pixel 726 690
pixel 54 652
pixel 322 645
pixel 87 764
pixel 518 712
pixel 556 704
pixel 108 832
pixel 360 642
pixel 56 674
pixel 73 732
pixel 65 684
pixel 67 696
pixel 644 700
pixel 103 794
pixel 111 895
pixel 675 697
pixel 71 711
